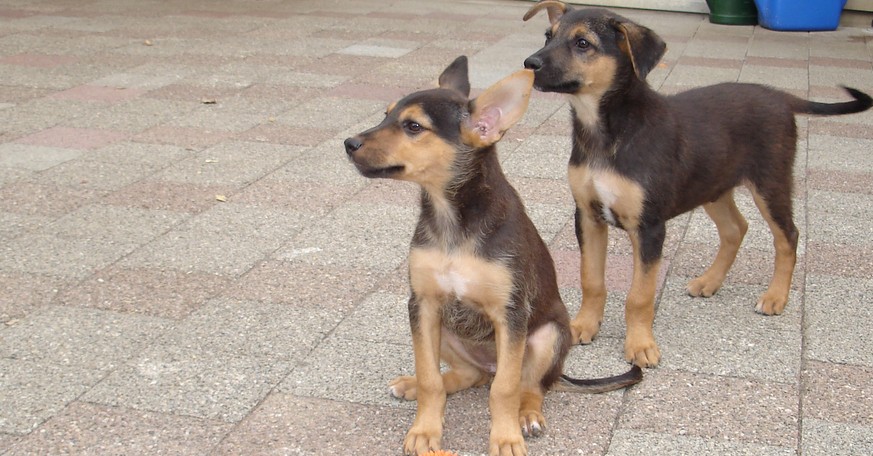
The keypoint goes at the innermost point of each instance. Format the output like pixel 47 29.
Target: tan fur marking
pixel 473 280
pixel 426 431
pixel 732 228
pixel 640 347
pixel 505 397
pixel 598 73
pixel 773 301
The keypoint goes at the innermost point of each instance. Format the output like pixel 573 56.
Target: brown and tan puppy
pixel 484 294
pixel 640 159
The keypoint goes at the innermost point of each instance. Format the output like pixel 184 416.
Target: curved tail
pixel 599 385
pixel 861 102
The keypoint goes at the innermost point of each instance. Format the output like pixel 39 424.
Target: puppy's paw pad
pixel 403 387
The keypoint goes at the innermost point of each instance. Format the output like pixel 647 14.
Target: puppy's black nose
pixel 352 145
pixel 533 63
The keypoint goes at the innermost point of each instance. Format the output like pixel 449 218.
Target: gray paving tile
pixel 837 319
pixel 734 409
pixel 55 256
pixel 83 338
pixel 825 438
pixel 210 385
pixel 851 209
pixel 243 328
pixel 370 236
pixel 381 317
pixel 102 224
pixel 626 442
pixel 83 174
pixel 35 158
pixel 91 429
pixel 32 392
pixel 351 370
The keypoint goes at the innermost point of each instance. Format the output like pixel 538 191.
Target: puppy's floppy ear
pixel 554 8
pixel 498 108
pixel 642 46
pixel 455 77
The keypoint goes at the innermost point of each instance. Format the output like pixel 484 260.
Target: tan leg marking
pixel 732 228
pixel 460 376
pixel 539 357
pixel 427 429
pixel 586 323
pixel 505 399
pixel 639 346
pixel 773 301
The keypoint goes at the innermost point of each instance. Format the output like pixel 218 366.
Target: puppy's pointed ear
pixel 641 45
pixel 554 8
pixel 498 108
pixel 455 77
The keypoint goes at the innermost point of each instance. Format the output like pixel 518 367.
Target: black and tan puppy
pixel 484 294
pixel 639 159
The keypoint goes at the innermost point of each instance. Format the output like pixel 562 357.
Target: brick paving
pixel 190 266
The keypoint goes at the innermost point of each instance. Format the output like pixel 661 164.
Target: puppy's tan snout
pixel 353 144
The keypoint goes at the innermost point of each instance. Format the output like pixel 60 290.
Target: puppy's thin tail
pixel 861 102
pixel 599 385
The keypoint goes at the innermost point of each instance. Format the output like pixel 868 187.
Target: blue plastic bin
pixel 800 15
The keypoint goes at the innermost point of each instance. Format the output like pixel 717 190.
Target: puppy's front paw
pixel 532 423
pixel 507 445
pixel 703 286
pixel 584 330
pixel 419 440
pixel 641 349
pixel 403 387
pixel 771 303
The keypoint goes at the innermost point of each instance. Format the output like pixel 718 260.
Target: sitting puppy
pixel 640 159
pixel 484 294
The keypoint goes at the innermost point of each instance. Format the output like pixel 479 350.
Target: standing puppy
pixel 640 159
pixel 484 294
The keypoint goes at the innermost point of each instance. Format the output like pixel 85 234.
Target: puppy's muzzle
pixel 533 63
pixel 353 144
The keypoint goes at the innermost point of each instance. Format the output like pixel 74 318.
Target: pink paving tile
pixel 312 196
pixel 21 293
pixel 389 192
pixel 370 92
pixel 189 138
pixel 840 181
pixel 839 63
pixel 619 270
pixel 84 428
pixel 452 17
pixel 167 294
pixel 344 64
pixel 835 128
pixel 839 259
pixel 73 138
pixel 38 60
pixel 98 94
pixel 838 393
pixel 194 93
pixel 395 16
pixel 282 134
pixel 15 14
pixel 167 196
pixel 776 62
pixel 710 62
pixel 50 200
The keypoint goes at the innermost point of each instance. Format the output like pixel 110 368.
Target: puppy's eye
pixel 582 43
pixel 548 36
pixel 412 127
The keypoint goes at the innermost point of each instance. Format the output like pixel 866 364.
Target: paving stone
pixel 92 429
pixel 59 257
pixel 626 442
pixel 35 158
pixel 836 319
pixel 825 438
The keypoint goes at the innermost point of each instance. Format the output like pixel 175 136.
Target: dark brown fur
pixel 484 294
pixel 640 158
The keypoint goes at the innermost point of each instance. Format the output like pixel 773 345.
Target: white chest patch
pixel 608 195
pixel 452 282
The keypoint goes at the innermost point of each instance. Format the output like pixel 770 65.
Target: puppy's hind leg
pixel 460 375
pixel 732 228
pixel 774 202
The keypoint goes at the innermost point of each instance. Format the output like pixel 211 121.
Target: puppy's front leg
pixel 640 347
pixel 427 429
pixel 592 236
pixel 506 438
